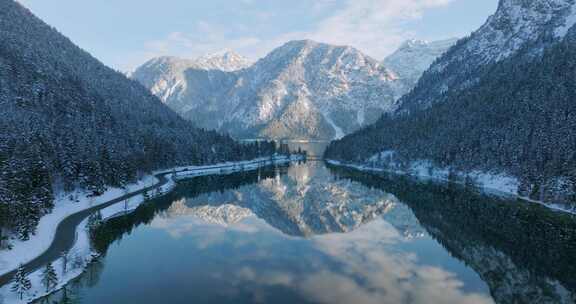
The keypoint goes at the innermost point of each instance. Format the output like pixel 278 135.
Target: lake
pixel 312 233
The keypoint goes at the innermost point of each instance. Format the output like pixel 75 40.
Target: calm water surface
pixel 312 234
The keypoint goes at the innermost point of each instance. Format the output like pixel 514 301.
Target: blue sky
pixel 125 33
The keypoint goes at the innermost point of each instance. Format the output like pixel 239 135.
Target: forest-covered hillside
pixel 70 122
pixel 513 114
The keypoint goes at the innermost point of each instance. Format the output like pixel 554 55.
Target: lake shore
pixel 43 248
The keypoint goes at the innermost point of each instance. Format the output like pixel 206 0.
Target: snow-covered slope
pixel 497 106
pixel 226 60
pixel 303 89
pixel 166 77
pixel 516 24
pixel 69 122
pixel 415 56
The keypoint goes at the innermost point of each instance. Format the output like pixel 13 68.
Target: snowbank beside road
pixel 24 251
pixel 64 206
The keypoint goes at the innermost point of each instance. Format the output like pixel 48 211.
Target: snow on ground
pixel 337 129
pixel 24 251
pixel 81 253
pixel 77 259
pixel 498 184
pixel 568 23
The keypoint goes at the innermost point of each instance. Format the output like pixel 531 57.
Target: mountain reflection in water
pixel 312 234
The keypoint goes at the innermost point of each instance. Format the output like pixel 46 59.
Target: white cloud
pixel 376 27
pixel 371 269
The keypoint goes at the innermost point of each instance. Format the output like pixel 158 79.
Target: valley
pixel 288 152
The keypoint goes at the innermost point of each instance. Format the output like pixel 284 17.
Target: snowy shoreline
pixel 81 254
pixel 502 187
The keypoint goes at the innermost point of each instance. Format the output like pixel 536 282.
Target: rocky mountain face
pixel 499 101
pixel 414 57
pixel 517 25
pixel 226 60
pixel 168 78
pixel 303 89
pixel 68 122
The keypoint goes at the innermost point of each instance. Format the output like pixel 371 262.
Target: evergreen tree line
pixel 517 116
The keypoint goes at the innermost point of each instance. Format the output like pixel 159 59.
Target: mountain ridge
pixel 514 25
pixel 303 89
pixel 495 115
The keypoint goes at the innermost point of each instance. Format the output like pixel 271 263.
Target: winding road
pixel 65 235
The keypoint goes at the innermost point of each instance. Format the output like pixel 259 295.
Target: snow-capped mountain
pixel 415 56
pixel 303 89
pixel 499 102
pixel 166 76
pixel 516 24
pixel 226 60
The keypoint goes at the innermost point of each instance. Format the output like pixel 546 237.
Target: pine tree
pixel 49 277
pixel 94 221
pixel 126 201
pixel 66 299
pixel 21 283
pixel 65 258
pixel 146 195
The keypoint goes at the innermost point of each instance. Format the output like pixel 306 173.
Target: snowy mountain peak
pixel 225 60
pixel 416 45
pixel 168 63
pixel 306 48
pixel 303 89
pixel 516 25
pixel 410 43
pixel 517 22
pixel 415 56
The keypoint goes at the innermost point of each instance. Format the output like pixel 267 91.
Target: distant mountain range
pixel 303 89
pixel 501 101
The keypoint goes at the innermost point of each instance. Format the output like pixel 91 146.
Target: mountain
pixel 226 60
pixel 303 89
pixel 68 122
pixel 500 102
pixel 415 56
pixel 166 76
pixel 517 26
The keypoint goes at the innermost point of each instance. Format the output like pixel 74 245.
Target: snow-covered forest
pixel 503 106
pixel 69 122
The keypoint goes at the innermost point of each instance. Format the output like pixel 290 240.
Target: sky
pixel 126 33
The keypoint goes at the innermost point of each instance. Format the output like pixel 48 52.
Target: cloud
pixel 376 27
pixel 205 38
pixel 388 275
pixel 372 269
